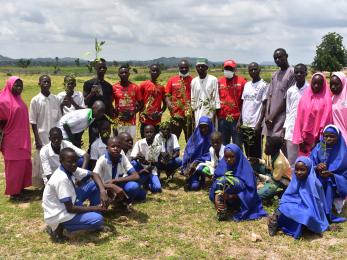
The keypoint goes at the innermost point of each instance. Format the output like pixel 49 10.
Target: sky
pixel 244 30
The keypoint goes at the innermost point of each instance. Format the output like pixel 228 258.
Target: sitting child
pixel 274 172
pixel 126 142
pixel 330 160
pixel 197 151
pixel 145 159
pixel 302 204
pixel 49 154
pixel 117 172
pixel 169 160
pixel 234 186
pixel 63 198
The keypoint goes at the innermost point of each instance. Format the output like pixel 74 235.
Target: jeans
pixel 228 131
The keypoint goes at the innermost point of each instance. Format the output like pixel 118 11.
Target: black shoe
pixel 272 224
pixel 19 198
pixel 55 236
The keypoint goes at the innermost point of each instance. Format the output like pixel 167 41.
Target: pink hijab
pixel 314 113
pixel 340 106
pixel 16 144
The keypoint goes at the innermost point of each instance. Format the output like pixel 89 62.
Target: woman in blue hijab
pixel 302 204
pixel 235 186
pixel 330 159
pixel 197 151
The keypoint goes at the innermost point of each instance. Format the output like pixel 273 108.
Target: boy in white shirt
pixel 145 159
pixel 63 200
pixel 99 146
pixel 49 154
pixel 44 113
pixel 126 142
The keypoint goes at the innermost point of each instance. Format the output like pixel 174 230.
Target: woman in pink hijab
pixel 339 90
pixel 16 144
pixel 314 113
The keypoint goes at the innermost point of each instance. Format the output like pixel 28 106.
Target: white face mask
pixel 183 75
pixel 228 74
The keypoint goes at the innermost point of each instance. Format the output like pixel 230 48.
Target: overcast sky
pixel 145 29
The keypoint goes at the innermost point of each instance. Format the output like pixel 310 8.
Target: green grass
pixel 174 224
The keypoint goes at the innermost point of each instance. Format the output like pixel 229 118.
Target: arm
pixel 69 133
pixel 85 161
pixel 262 115
pixel 38 142
pixel 99 183
pixel 176 153
pixel 71 208
pixel 168 102
pixel 133 177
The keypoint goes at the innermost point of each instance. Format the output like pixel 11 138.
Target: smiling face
pixel 301 171
pixel 335 85
pixel 317 83
pixel 229 157
pixel 330 138
pixel 17 87
pixel 183 67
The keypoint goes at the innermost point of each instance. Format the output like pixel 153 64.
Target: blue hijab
pixel 198 145
pixel 251 206
pixel 304 200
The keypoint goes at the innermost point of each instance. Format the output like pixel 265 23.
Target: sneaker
pixel 272 224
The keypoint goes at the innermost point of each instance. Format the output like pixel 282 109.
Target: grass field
pixel 174 224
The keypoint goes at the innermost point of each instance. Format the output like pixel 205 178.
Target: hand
pixel 269 123
pixel 141 158
pixel 100 208
pixel 38 144
pixel 325 174
pixel 321 167
pixel 238 126
pixel 120 192
pixel 103 196
pixel 96 90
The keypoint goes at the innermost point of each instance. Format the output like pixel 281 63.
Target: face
pixel 149 133
pixel 127 142
pixel 201 70
pixel 154 71
pixel 101 68
pixel 70 85
pixel 45 83
pixel 335 85
pixel 98 112
pixel 56 139
pixel 280 58
pixel 301 170
pixel 229 157
pixel 114 147
pixel 204 129
pixel 69 162
pixel 216 143
pixel 124 74
pixel 330 138
pixel 17 87
pixel 183 67
pixel 317 84
pixel 300 74
pixel 165 131
pixel 253 70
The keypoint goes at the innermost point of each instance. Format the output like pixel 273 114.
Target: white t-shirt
pixel 77 120
pixel 97 149
pixel 77 96
pixel 294 95
pixel 106 170
pixel 50 160
pixel 253 96
pixel 59 189
pixel 213 155
pixel 150 152
pixel 45 113
pixel 169 145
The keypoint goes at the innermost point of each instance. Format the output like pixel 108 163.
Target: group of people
pixel 224 121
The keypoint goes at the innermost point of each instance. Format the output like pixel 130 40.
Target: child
pixel 329 158
pixel 70 100
pixel 49 154
pixel 44 114
pixel 145 158
pixel 235 186
pixel 169 160
pixel 275 171
pixel 314 113
pixel 197 151
pixel 99 146
pixel 114 168
pixel 302 204
pixel 63 200
pixel 79 120
pixel 294 94
pixel 126 142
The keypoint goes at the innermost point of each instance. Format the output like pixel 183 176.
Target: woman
pixel 235 185
pixel 302 204
pixel 314 113
pixel 16 144
pixel 329 158
pixel 197 151
pixel 339 101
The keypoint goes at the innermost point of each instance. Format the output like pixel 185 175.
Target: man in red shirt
pixel 127 101
pixel 230 93
pixel 153 95
pixel 177 99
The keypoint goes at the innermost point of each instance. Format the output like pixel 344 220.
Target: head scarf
pixel 304 200
pixel 198 145
pixel 314 113
pixel 251 206
pixel 339 106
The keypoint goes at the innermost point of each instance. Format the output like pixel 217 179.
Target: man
pixel 177 99
pixel 230 92
pixel 204 92
pixel 275 112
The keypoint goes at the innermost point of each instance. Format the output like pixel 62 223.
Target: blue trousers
pixel 133 190
pixel 147 180
pixel 228 130
pixel 196 180
pixel 172 165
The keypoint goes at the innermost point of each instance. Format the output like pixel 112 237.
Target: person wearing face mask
pixel 230 91
pixel 177 98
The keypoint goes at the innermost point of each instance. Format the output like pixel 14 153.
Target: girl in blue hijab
pixel 235 186
pixel 197 151
pixel 302 204
pixel 330 159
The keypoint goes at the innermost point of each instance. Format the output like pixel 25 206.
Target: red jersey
pixel 230 93
pixel 152 95
pixel 178 88
pixel 125 98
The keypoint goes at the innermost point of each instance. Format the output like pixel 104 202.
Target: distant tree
pixel 135 70
pixel 331 55
pixel 56 65
pixel 77 61
pixel 90 66
pixel 23 63
pixel 115 63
